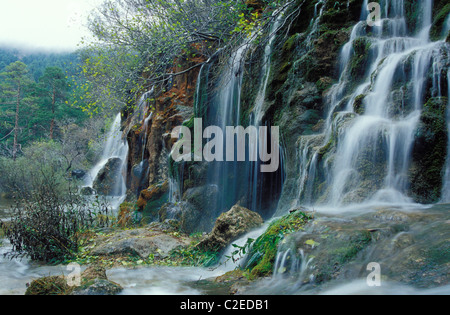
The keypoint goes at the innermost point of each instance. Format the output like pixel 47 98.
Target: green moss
pixel 429 152
pixel 343 251
pixel 358 105
pixel 55 285
pixel 361 46
pixel 264 250
pixel 291 43
pixel 437 28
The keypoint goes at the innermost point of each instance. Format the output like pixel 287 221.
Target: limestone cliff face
pixel 322 55
pixel 149 134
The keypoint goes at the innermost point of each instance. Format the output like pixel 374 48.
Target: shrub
pixel 47 224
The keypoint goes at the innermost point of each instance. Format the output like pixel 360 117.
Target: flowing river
pixel 16 273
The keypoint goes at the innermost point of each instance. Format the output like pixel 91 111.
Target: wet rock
pixel 196 212
pixel 95 282
pixel 230 226
pixel 108 178
pixel 87 191
pixel 190 218
pixel 125 216
pixel 153 193
pixel 139 242
pixel 55 285
pixel 98 287
pixel 410 246
pixel 78 174
pixel 139 176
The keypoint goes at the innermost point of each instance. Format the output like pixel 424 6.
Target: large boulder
pixel 196 212
pixel 95 282
pixel 229 227
pixel 107 182
pixel 139 242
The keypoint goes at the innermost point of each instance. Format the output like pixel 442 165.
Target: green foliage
pixel 138 44
pixel 32 110
pixel 240 251
pixel 193 256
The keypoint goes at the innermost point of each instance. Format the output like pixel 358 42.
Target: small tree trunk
pixel 52 123
pixel 16 125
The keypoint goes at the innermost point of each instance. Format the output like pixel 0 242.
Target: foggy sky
pixel 50 25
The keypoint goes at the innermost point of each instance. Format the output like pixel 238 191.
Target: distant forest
pixel 39 97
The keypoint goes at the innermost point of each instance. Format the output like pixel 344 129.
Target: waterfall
pixel 291 264
pixel 115 147
pixel 224 110
pixel 372 157
pixel 255 176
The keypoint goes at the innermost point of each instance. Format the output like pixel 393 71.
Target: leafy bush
pixel 49 219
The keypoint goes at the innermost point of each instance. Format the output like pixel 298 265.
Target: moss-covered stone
pixel 429 152
pixel 264 250
pixel 437 28
pixel 358 64
pixel 124 218
pixel 413 15
pixel 55 285
pixel 358 104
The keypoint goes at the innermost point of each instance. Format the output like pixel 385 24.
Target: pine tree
pixel 54 86
pixel 15 80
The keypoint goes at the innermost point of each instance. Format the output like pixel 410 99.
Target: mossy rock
pixel 437 28
pixel 358 64
pixel 358 104
pixel 152 193
pixel 430 152
pixel 54 285
pixel 125 216
pixel 264 250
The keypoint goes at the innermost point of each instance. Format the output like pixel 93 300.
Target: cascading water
pixel 255 176
pixel 375 138
pixel 115 147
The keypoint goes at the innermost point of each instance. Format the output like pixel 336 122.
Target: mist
pixel 46 25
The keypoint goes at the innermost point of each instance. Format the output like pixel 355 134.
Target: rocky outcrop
pixel 195 212
pixel 138 242
pixel 409 246
pixel 108 178
pixel 93 281
pixel 229 227
pixel 169 107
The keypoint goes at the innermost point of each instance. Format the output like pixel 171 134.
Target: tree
pixel 54 87
pixel 139 42
pixel 15 81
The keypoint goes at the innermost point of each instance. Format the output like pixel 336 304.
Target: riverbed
pixel 16 273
